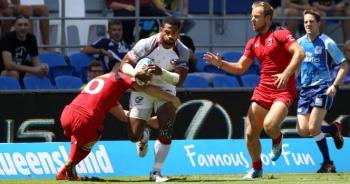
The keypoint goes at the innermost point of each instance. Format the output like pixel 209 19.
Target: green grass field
pixel 337 178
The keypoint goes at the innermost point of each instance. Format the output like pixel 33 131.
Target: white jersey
pixel 168 59
pixel 142 104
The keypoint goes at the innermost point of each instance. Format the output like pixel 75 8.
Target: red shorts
pixel 78 127
pixel 267 98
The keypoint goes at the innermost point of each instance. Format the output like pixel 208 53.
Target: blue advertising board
pixel 119 158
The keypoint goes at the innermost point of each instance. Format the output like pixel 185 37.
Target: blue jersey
pixel 319 54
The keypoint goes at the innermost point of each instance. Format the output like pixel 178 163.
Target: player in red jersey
pixel 279 56
pixel 82 119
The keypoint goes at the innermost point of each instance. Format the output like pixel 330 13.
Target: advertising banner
pixel 119 158
pixel 204 114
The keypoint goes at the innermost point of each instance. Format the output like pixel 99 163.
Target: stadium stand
pixel 35 82
pixel 68 82
pixel 195 81
pixel 250 80
pixel 225 81
pixel 80 61
pixel 9 83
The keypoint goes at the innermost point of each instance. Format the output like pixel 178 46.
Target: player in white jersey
pixel 170 66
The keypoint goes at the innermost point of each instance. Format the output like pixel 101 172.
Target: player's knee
pixel 251 136
pixel 314 130
pixel 303 132
pixel 88 146
pixel 269 128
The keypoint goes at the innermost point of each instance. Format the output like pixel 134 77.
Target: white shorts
pixel 142 105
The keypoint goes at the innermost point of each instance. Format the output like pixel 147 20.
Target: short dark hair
pixel 313 12
pixel 22 16
pixel 94 63
pixel 114 22
pixel 172 21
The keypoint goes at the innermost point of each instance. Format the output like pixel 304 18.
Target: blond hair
pixel 267 8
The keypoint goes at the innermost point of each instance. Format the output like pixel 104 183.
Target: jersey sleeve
pixel 99 43
pixel 248 51
pixel 334 51
pixel 184 56
pixel 140 49
pixel 285 37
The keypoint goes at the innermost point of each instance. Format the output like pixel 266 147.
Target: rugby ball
pixel 141 65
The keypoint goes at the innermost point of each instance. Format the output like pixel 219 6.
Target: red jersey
pixel 100 95
pixel 272 51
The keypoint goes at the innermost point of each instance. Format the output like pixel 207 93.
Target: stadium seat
pixel 78 61
pixel 239 7
pixel 52 59
pixel 250 80
pixel 68 82
pixel 253 69
pixel 9 83
pixel 213 69
pixel 200 63
pixel 202 6
pixel 225 81
pixel 61 70
pixel 232 56
pixel 36 82
pixel 195 81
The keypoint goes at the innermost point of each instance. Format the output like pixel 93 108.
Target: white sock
pixel 160 153
pixel 145 136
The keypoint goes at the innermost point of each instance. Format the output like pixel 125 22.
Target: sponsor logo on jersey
pixel 138 99
pixel 318 50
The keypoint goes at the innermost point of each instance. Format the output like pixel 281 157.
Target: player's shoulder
pixel 302 39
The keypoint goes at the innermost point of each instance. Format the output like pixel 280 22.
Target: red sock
pixel 257 165
pixel 77 153
pixel 277 140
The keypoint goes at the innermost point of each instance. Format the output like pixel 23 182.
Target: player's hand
pixel 331 91
pixel 156 70
pixel 281 80
pixel 144 75
pixel 213 59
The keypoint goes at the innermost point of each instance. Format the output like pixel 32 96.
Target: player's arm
pixel 236 68
pixel 297 56
pixel 343 69
pixel 127 67
pixel 158 93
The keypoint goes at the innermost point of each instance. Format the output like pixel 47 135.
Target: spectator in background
pixel 122 8
pixel 335 8
pixel 14 8
pixel 15 48
pixel 95 69
pixel 292 8
pixel 317 87
pixel 114 47
pixel 188 42
pixel 178 8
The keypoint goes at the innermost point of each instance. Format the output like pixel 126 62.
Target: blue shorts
pixel 314 96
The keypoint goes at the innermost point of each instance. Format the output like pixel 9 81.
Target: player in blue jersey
pixel 317 87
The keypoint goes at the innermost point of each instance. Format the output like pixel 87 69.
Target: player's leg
pixel 83 136
pixel 166 116
pixel 254 126
pixel 316 118
pixel 272 122
pixel 141 107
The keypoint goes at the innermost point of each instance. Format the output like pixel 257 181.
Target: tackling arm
pixel 158 93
